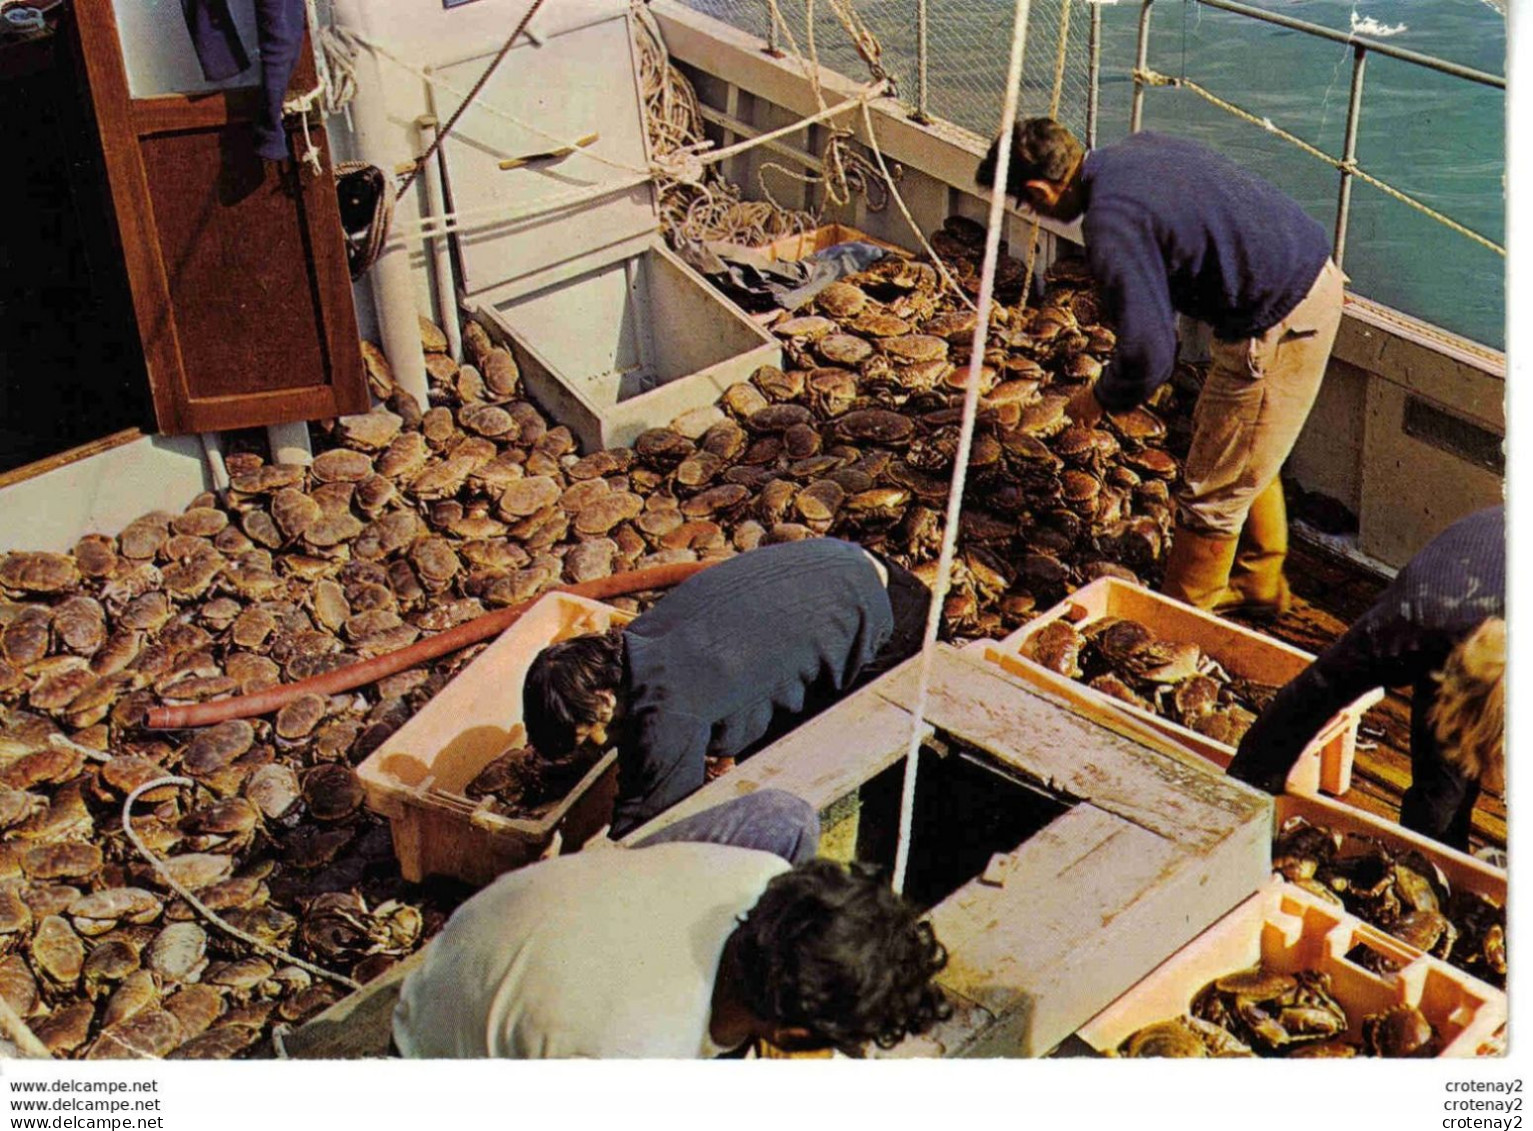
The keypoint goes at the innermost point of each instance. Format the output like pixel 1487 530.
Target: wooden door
pixel 237 265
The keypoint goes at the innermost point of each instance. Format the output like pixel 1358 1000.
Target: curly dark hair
pixel 832 948
pixel 1041 150
pixel 563 688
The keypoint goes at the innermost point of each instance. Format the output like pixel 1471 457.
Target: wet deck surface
pixel 1329 595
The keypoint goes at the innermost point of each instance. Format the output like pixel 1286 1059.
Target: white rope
pixel 965 438
pixel 937 262
pixel 202 908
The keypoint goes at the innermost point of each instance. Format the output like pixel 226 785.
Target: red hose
pixel 368 671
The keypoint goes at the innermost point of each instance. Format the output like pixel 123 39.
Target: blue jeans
pixel 769 820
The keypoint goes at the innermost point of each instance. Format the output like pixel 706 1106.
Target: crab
pixel 1045 417
pixel 1399 1031
pixel 875 425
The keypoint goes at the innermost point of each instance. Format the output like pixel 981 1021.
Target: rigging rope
pixel 436 142
pixel 1156 78
pixel 965 438
pixel 1059 83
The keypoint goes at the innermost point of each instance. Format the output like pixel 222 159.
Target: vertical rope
pixel 965 438
pixel 1059 83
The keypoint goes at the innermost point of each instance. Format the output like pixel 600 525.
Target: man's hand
pixel 1084 409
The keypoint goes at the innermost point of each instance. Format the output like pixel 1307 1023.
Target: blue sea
pixel 1439 139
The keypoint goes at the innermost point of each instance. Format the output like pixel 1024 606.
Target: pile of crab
pixel 410 521
pixel 1123 658
pixel 858 434
pixel 1264 1012
pixel 1402 892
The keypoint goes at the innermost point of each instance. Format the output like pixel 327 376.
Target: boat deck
pixel 1330 593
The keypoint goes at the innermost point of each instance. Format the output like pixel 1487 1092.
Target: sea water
pixel 1439 139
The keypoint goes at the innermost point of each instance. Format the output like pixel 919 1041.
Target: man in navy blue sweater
pixel 1170 226
pixel 724 663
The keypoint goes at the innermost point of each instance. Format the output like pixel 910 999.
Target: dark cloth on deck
pixel 737 654
pixel 1172 226
pixel 1450 587
pixel 280 27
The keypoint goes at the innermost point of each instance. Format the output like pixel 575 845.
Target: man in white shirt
pixel 677 949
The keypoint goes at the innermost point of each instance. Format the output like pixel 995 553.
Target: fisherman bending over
pixel 1439 628
pixel 1171 226
pixel 728 660
pixel 676 949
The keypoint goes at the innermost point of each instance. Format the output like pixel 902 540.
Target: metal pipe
pixel 1141 64
pixel 1429 61
pixel 1094 76
pixel 380 143
pixel 921 115
pixel 1349 153
pixel 441 249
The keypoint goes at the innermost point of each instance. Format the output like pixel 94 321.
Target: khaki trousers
pixel 1254 402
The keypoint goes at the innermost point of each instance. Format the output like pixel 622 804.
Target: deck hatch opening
pixel 966 811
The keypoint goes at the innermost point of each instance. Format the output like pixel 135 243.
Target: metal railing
pixel 942 54
pixel 1361 46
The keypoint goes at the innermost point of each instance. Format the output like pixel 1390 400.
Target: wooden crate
pixel 790 249
pixel 416 778
pixel 1326 763
pixel 1287 929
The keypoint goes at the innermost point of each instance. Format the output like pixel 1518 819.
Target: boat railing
pixel 1346 165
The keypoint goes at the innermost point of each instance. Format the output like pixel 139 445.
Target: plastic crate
pixel 1326 763
pixel 1287 929
pixel 416 778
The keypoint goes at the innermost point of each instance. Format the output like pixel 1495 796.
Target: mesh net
pixel 966 43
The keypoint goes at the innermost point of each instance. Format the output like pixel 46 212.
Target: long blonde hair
pixel 1469 714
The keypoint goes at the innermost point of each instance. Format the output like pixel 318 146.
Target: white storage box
pixel 559 234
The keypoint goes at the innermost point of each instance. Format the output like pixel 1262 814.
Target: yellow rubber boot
pixel 1198 567
pixel 1257 585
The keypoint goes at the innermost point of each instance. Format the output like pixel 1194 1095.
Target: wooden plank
pixel 94 27
pixel 169 112
pixel 1174 796
pixel 822 761
pixel 1089 906
pixel 64 459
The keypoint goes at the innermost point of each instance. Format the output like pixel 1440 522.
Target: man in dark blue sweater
pixel 725 662
pixel 1170 226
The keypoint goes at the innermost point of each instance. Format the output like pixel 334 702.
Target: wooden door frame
pixel 122 121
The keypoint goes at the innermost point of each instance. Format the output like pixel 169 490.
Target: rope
pixel 1059 84
pixel 200 907
pixel 468 100
pixel 363 250
pixel 1155 78
pixel 466 96
pixel 965 437
pixel 942 271
pixel 301 105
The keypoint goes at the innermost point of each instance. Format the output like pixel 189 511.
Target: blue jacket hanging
pixel 279 38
